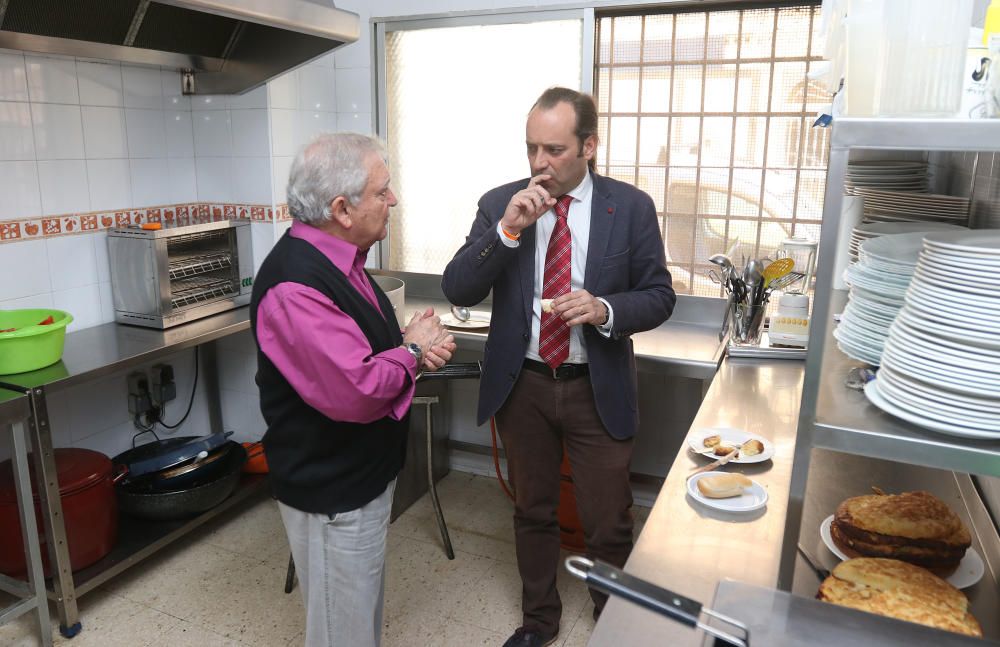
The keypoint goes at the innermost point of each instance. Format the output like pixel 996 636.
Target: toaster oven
pixel 165 277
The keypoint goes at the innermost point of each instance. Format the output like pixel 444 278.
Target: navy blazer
pixel 625 266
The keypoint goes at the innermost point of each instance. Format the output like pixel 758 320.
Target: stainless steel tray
pixel 765 350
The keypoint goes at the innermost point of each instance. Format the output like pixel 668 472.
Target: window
pixel 455 100
pixel 710 112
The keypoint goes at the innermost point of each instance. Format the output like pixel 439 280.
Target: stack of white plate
pixel 895 175
pixel 878 287
pixel 868 230
pixel 941 362
pixel 900 206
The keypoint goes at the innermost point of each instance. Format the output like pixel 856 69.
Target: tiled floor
pixel 223 584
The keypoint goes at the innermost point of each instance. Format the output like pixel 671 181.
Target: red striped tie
pixel 553 337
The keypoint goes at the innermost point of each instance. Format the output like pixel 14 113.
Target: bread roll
pixel 724 450
pixel 751 447
pixel 723 486
pixel 712 441
pixel 546 305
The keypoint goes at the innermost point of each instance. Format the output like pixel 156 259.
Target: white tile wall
pixel 213 133
pixel 110 184
pixel 215 179
pixel 146 133
pixel 149 182
pixel 180 133
pixel 72 261
pixel 354 85
pixel 58 131
pixel 249 132
pixel 143 87
pixel 13 78
pixel 13 260
pixel 183 181
pixel 251 179
pixel 64 188
pixel 52 80
pixel 104 132
pixel 19 188
pixel 100 84
pixel 17 140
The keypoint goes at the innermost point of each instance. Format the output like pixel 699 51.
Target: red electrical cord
pixel 496 459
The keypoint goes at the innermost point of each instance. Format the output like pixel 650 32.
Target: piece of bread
pixel 724 450
pixel 712 441
pixel 723 486
pixel 751 447
pixel 917 518
pixel 892 588
pixel 546 305
pixel 941 562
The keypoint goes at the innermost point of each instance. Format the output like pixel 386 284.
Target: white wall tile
pixel 146 133
pixel 354 89
pixel 256 98
pixel 52 80
pixel 212 133
pixel 316 88
pixel 250 137
pixel 251 180
pixel 63 184
pixel 183 180
pixel 101 253
pixel 150 186
pixel 143 87
pixel 327 60
pixel 283 132
pixel 100 84
pixel 19 188
pixel 355 122
pixel 358 53
pixel 110 184
pixel 99 405
pixel 16 257
pixel 310 124
pixel 262 235
pixel 107 302
pixel 280 168
pixel 58 131
pixel 13 78
pixel 83 302
pixel 180 133
pixel 72 261
pixel 215 178
pixel 104 132
pixel 40 300
pixel 173 98
pixel 210 102
pixel 283 91
pixel 16 139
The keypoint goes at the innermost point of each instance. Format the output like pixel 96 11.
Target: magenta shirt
pixel 323 353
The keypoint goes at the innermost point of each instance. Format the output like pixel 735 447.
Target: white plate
pixel 872 229
pixel 982 241
pixel 970 570
pixel 920 388
pixel 969 337
pixel 894 248
pixel 753 497
pixel 875 397
pixel 949 298
pixel 731 437
pixel 922 405
pixel 477 319
pixel 945 343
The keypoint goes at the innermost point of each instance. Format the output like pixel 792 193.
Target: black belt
pixel 561 372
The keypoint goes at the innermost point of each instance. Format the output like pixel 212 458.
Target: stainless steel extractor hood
pixel 228 46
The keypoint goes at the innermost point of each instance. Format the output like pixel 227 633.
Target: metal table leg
pixel 55 527
pixel 432 488
pixel 34 593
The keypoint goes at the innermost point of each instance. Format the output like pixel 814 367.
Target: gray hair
pixel 331 165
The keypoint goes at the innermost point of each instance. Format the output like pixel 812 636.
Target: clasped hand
pixel 426 330
pixel 580 307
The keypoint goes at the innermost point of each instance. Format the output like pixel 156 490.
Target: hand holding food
pixel 547 305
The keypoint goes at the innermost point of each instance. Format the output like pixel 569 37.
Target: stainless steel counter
pixel 688 548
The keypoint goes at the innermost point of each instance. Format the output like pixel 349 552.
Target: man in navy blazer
pixel 586 398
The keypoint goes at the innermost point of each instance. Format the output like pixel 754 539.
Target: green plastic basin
pixel 31 346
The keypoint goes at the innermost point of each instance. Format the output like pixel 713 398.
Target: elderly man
pixel 576 264
pixel 336 380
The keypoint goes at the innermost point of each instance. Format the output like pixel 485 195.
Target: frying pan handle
pixel 120 474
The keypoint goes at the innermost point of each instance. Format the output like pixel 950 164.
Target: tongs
pixel 613 581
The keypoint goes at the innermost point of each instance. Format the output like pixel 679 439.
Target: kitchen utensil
pixel 461 313
pixel 814 564
pixel 747 325
pixel 777 269
pixel 802 250
pixel 90 512
pixel 786 280
pixel 171 452
pixel 608 579
pixel 28 344
pixel 719 463
pixel 256 461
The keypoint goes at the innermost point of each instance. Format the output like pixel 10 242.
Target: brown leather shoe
pixel 529 637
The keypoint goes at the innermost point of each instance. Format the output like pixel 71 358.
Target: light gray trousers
pixel 340 564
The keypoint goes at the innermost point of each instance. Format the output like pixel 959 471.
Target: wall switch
pixel 139 401
pixel 163 388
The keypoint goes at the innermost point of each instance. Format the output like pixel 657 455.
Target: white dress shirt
pixel 579 227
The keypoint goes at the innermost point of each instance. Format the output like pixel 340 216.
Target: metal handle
pixel 614 581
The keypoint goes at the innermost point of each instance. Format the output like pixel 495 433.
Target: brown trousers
pixel 539 416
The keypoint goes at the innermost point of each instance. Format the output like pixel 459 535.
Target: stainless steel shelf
pixel 846 421
pixel 916 134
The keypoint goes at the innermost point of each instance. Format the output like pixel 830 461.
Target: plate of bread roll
pixel 728 491
pixel 716 442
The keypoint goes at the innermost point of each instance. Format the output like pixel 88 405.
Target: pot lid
pixel 77 468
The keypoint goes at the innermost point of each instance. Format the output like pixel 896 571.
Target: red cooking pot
pixel 90 511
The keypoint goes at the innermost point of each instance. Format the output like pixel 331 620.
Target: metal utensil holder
pixel 747 322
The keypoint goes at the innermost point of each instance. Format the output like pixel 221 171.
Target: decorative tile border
pixel 176 215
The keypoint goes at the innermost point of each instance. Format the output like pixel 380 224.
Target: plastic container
pixel 31 345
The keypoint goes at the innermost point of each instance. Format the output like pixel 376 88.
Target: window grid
pixel 769 181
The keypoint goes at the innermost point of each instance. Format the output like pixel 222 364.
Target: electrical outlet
pixel 163 388
pixel 139 401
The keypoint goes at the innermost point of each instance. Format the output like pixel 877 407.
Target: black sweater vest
pixel 317 464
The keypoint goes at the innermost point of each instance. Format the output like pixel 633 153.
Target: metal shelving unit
pixel 832 416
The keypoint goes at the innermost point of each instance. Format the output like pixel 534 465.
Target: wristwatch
pixel 418 354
